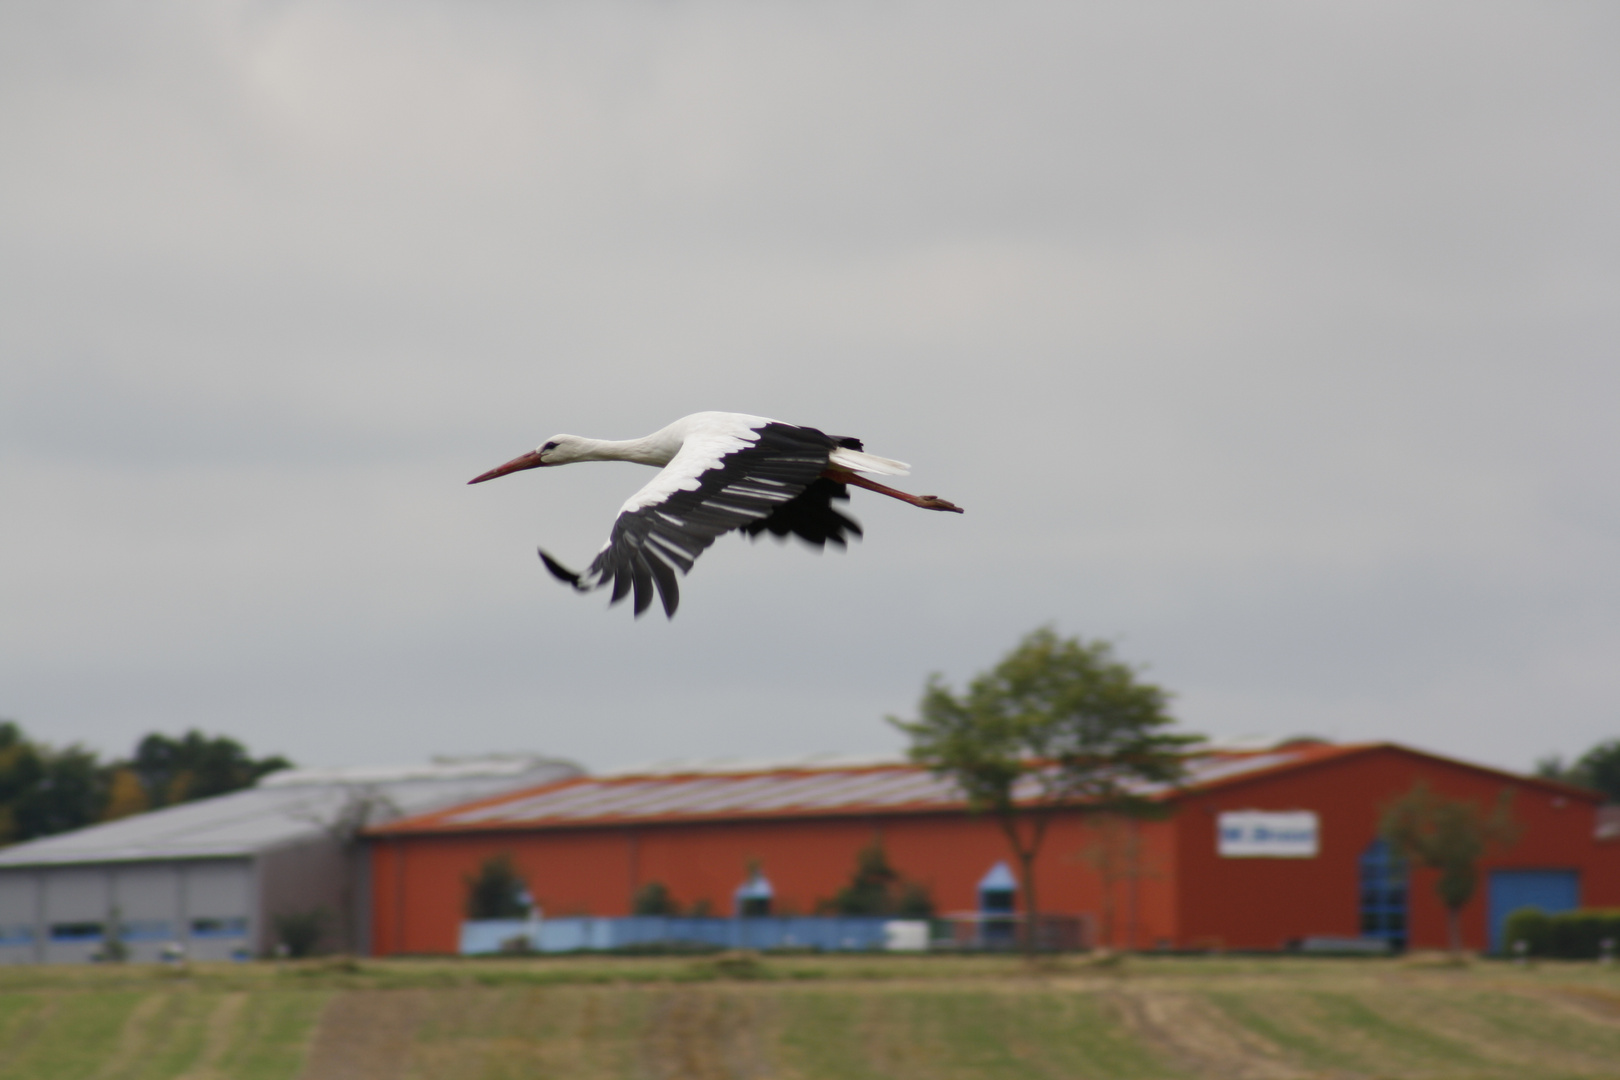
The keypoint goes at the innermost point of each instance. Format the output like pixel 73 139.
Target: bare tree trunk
pixel 1032 910
pixel 1454 930
pixel 1109 880
pixel 1133 875
pixel 1025 853
pixel 1101 852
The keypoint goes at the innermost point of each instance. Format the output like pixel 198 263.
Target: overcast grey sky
pixel 1275 341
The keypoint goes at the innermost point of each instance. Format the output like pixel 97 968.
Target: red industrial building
pixel 1260 849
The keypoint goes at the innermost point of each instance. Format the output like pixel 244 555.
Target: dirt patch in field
pixel 694 1034
pixel 133 1037
pixel 1198 1038
pixel 1592 1003
pixel 365 1035
pixel 222 1023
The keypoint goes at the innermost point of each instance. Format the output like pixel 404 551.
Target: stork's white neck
pixel 649 450
pixel 735 430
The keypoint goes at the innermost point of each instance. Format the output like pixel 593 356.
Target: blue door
pixel 1550 890
pixel 1383 895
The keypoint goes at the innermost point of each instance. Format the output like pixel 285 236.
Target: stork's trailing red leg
pixel 927 502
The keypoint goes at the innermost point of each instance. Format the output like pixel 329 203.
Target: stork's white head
pixel 557 450
pixel 564 450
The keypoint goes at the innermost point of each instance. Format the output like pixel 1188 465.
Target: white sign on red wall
pixel 1267 834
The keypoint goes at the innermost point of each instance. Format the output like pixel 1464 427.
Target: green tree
pixel 914 902
pixel 497 891
pixel 45 790
pixel 196 766
pixel 1059 725
pixel 1115 854
pixel 20 773
pixel 1598 769
pixel 654 898
pixel 876 888
pixel 125 795
pixel 871 888
pixel 114 949
pixel 299 933
pixel 1450 836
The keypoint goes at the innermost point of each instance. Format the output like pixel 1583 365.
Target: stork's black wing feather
pixel 810 516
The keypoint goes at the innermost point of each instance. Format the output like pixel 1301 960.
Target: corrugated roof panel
pixel 258 818
pixel 1208 770
pixel 898 789
pixel 754 766
pixel 668 795
pixel 713 795
pixel 589 799
pixel 584 800
pixel 813 792
pixel 526 806
pixel 696 797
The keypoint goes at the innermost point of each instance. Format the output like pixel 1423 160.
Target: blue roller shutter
pixel 1550 890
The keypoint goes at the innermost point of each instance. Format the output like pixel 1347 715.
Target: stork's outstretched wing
pixel 766 478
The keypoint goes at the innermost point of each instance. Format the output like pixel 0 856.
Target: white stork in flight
pixel 720 471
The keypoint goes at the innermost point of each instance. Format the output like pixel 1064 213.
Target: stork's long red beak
pixel 531 460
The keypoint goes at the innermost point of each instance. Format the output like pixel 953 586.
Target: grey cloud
pixel 1275 341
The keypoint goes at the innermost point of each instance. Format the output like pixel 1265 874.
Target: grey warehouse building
pixel 211 877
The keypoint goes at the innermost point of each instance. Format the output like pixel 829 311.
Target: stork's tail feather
pixel 561 572
pixel 861 461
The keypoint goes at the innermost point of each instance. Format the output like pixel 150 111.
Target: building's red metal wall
pixel 1169 887
pixel 1259 903
pixel 595 871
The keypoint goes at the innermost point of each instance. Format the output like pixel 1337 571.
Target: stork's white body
pixel 701 442
pixel 719 471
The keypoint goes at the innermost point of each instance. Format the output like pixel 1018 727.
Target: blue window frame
pixel 18 934
pixel 218 928
pixel 998 896
pixel 1383 894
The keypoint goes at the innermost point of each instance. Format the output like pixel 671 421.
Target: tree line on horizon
pixel 47 789
pixel 1597 769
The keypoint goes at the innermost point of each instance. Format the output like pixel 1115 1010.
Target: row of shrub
pixel 1569 935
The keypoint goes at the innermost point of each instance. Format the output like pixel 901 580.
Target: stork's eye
pixel 548 446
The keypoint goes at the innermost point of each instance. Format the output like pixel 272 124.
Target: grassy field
pixel 842 1018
